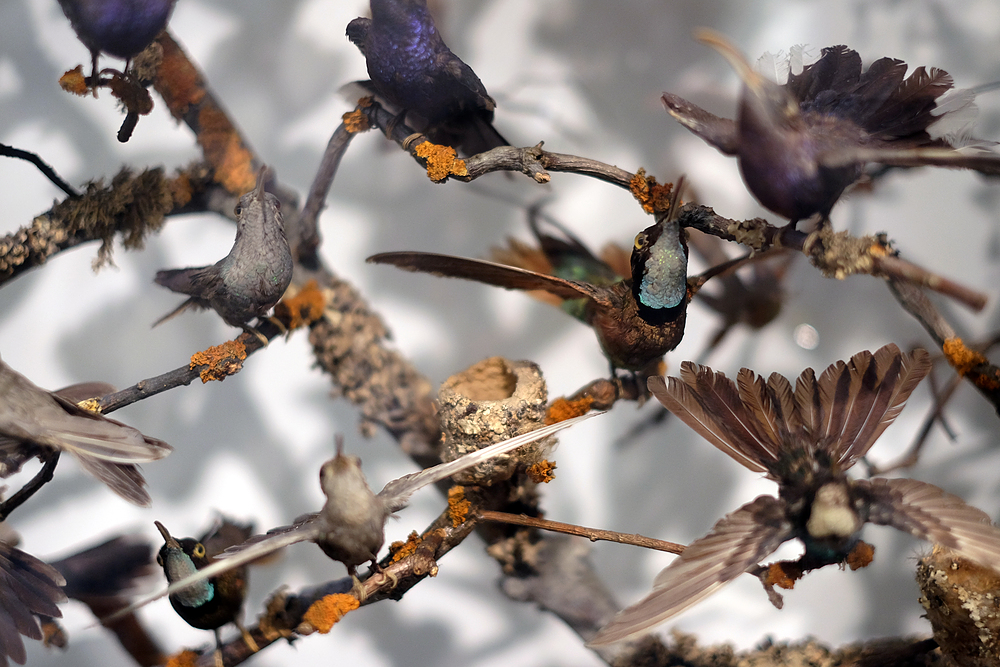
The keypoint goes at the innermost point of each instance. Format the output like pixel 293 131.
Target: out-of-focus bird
pixel 218 600
pixel 28 587
pixel 248 281
pixel 35 422
pixel 120 28
pixel 804 438
pixel 414 70
pixel 801 144
pixel 351 526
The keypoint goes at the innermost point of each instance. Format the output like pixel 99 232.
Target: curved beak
pixel 171 542
pixel 736 60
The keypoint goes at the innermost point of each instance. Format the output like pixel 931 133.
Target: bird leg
pixel 282 329
pixel 377 571
pixel 217 654
pixel 357 590
pixel 258 335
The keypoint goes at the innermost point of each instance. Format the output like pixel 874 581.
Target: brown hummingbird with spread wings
pixel 804 438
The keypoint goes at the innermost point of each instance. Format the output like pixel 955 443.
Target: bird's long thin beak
pixel 261 179
pixel 732 55
pixel 171 542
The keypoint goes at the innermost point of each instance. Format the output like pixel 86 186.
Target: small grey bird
pixel 413 69
pixel 248 281
pixel 351 526
pixel 801 144
pixel 804 439
pixel 33 422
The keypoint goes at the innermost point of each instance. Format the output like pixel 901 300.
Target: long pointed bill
pixel 261 180
pixel 736 60
pixel 171 542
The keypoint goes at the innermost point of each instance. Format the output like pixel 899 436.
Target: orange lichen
pixel 441 161
pixel 458 506
pixel 73 81
pixel 324 613
pixel 879 249
pixel 563 409
pixel 220 361
pixel 542 472
pixel 185 658
pixel 303 308
pixel 223 148
pixel 401 550
pixel 961 357
pixel 180 189
pixel 90 404
pixel 177 81
pixel 356 121
pixel 783 574
pixel 652 196
pixel 861 556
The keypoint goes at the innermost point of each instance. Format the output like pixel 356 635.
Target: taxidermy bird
pixel 35 422
pixel 212 602
pixel 801 144
pixel 120 28
pixel 248 281
pixel 351 526
pixel 412 69
pixel 637 320
pixel 805 439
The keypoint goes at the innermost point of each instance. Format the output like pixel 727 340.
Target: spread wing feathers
pixel 766 410
pixel 305 529
pixel 976 158
pixel 491 273
pixel 110 569
pixel 907 112
pixel 740 540
pixel 125 479
pixel 720 132
pixel 934 515
pixel 86 433
pixel 820 84
pixel 709 403
pixel 397 493
pixel 27 587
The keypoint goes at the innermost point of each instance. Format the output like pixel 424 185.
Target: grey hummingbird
pixel 248 281
pixel 351 526
pixel 35 422
pixel 805 439
pixel 801 144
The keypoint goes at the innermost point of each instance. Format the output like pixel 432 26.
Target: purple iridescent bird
pixel 120 28
pixel 802 144
pixel 412 69
pixel 804 438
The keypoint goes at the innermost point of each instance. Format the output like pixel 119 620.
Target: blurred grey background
pixel 584 76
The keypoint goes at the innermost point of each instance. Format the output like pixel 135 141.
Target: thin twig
pixel 592 534
pixel 49 457
pixel 43 166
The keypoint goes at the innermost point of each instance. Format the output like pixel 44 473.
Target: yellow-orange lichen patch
pixel 303 308
pixel 542 472
pixel 180 189
pixel 650 195
pixel 563 409
pixel 177 81
pixel 401 550
pixel 783 575
pixel 458 506
pixel 356 121
pixel 324 613
pixel 861 556
pixel 220 361
pixel 960 356
pixel 223 148
pixel 73 81
pixel 185 658
pixel 90 405
pixel 442 161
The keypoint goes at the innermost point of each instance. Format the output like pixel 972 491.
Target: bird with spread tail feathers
pixel 804 438
pixel 351 526
pixel 802 144
pixel 412 69
pixel 35 422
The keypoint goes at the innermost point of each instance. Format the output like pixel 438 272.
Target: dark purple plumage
pixel 414 70
pixel 802 144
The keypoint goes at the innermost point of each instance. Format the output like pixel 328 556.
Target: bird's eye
pixel 159 560
pixel 640 240
pixel 199 550
pixel 238 210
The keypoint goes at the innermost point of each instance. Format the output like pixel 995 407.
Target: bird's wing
pixel 976 158
pixel 111 568
pixel 720 132
pixel 935 515
pixel 738 541
pixel 861 398
pixel 397 492
pixel 710 403
pixel 491 273
pixel 305 529
pixel 85 390
pixel 125 479
pixel 27 587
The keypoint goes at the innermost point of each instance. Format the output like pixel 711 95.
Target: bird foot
pixel 253 332
pixel 386 576
pixel 248 638
pixel 358 590
pixel 282 329
pixel 412 139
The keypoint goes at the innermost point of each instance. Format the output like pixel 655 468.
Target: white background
pixel 585 77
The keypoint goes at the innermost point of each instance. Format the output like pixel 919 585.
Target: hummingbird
pixel 805 439
pixel 636 319
pixel 248 281
pixel 414 70
pixel 215 601
pixel 802 144
pixel 35 422
pixel 120 28
pixel 350 528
